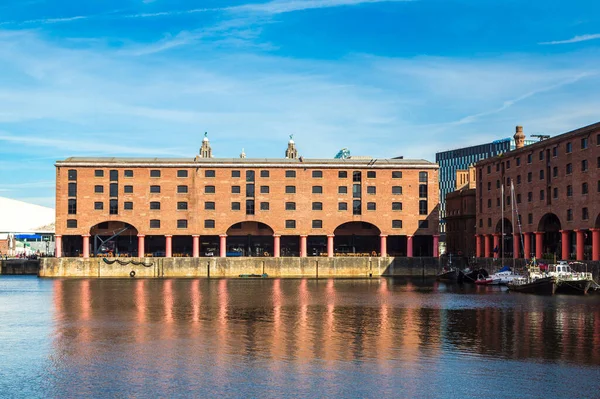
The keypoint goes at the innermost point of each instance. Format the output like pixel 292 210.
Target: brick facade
pixel 315 181
pixel 3 246
pixel 461 222
pixel 557 195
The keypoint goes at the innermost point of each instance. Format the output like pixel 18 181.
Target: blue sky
pixel 383 78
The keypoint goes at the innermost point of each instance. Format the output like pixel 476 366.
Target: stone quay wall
pixel 339 267
pixel 19 267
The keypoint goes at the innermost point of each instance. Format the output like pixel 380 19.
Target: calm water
pixel 293 338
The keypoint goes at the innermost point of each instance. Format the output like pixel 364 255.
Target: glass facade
pixel 461 159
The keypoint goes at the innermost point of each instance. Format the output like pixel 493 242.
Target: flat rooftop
pixel 245 162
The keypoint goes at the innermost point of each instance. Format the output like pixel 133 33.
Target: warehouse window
pixel 182 224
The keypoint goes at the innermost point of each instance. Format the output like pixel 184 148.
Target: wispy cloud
pixel 576 39
pixel 80 146
pixel 509 103
pixel 45 20
pixel 285 6
pixel 31 184
pixel 271 8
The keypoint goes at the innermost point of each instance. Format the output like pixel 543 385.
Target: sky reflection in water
pixel 295 338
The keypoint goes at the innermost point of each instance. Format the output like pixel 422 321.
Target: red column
pixel 595 244
pixel 383 246
pixel 527 245
pixel 409 246
pixel 565 244
pixel 436 246
pixel 478 245
pixel 223 245
pixel 487 238
pixel 141 245
pixel 195 246
pixel 168 246
pixel 539 244
pixel 58 245
pixel 330 245
pixel 303 246
pixel 276 245
pixel 497 245
pixel 580 242
pixel 86 246
pixel 516 246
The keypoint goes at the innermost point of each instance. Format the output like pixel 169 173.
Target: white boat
pixel 569 281
pixel 503 277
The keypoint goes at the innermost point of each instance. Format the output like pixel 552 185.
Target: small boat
pixel 264 275
pixel 447 274
pixel 502 277
pixel 539 286
pixel 569 281
pixel 489 280
pixel 470 276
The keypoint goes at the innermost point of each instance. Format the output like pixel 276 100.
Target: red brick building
pixel 556 197
pixel 461 215
pixel 206 206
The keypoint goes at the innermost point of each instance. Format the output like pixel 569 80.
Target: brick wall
pixel 223 197
pixel 515 166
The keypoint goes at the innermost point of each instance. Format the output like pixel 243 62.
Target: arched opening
pixel 550 225
pixel 506 241
pixel 249 239
pixel 114 238
pixel 357 238
pixel 597 224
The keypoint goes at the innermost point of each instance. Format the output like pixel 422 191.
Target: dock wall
pixel 19 267
pixel 313 267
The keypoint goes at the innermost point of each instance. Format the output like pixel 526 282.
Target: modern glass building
pixel 460 159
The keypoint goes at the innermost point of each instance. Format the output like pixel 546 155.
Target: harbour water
pixel 300 338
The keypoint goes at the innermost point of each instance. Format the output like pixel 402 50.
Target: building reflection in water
pixel 165 326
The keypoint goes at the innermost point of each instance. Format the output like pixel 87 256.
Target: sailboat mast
pixel 512 193
pixel 512 212
pixel 502 242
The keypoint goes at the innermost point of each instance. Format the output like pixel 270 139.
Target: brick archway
pixel 357 238
pixel 249 238
pixel 550 225
pixel 113 238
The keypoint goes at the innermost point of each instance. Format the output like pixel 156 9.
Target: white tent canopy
pixel 22 217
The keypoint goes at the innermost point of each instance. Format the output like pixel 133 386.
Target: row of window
pixel 183 189
pixel 289 224
pixel 235 206
pixel 584 142
pixel 568 167
pixel 156 173
pixel 555 194
pixel 585 215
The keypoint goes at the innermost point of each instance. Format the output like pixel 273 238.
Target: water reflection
pixel 206 332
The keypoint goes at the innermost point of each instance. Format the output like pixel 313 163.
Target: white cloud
pixel 575 39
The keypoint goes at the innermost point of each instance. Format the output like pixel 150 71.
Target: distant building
pixel 556 198
pixel 25 228
pixel 460 159
pixel 205 206
pixel 461 207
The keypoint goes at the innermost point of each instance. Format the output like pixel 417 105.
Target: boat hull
pixel 472 276
pixel 540 286
pixel 573 287
pixel 450 275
